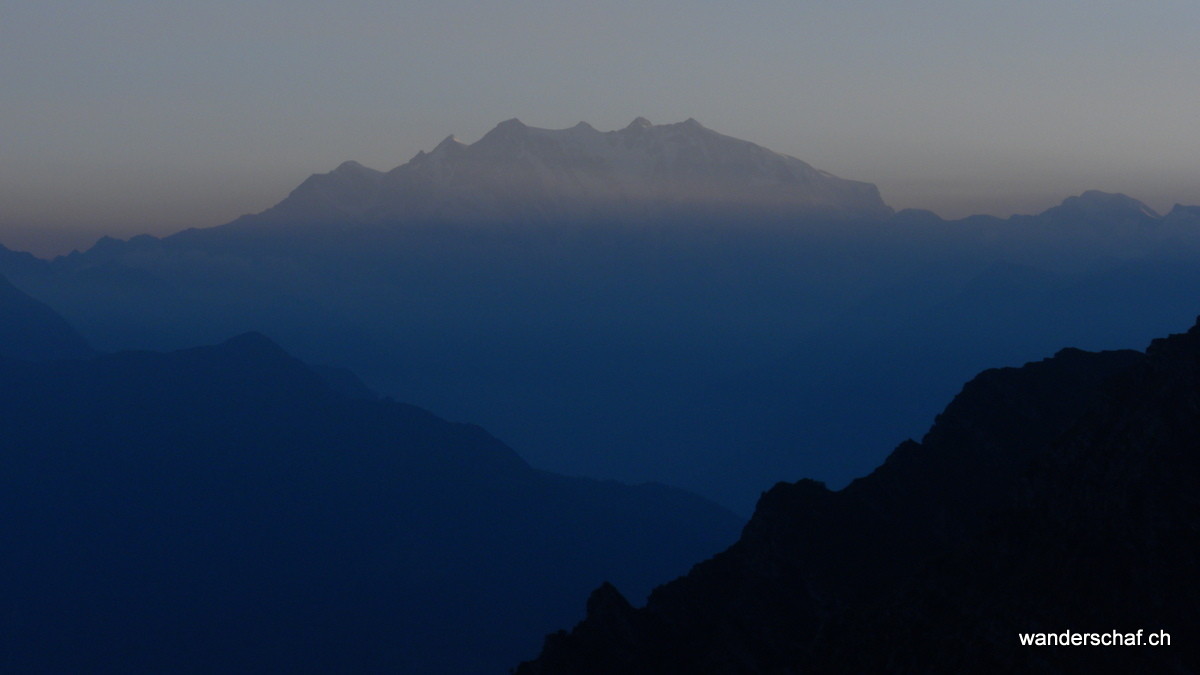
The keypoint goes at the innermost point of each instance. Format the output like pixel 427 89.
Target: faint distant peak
pixel 692 129
pixel 353 168
pixel 1095 205
pixel 639 123
pixel 505 131
pixel 449 147
pixel 509 126
pixel 1112 200
pixel 450 142
pixel 916 217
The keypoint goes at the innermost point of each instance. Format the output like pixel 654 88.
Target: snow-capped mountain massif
pixel 525 175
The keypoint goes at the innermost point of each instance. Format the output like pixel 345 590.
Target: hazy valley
pixel 662 333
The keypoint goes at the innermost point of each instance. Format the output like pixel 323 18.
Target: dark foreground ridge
pixel 1053 497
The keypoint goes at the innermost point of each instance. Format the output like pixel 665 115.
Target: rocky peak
pixel 505 131
pixel 349 167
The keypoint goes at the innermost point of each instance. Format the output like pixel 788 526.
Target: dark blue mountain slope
pixel 222 509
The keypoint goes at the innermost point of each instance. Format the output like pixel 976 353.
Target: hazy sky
pixel 123 116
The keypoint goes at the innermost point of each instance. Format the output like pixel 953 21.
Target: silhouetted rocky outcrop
pixel 1053 497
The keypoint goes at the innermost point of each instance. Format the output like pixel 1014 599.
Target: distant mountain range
pixel 660 302
pixel 1050 498
pixel 524 175
pixel 230 509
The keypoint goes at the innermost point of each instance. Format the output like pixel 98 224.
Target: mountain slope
pixel 1052 497
pixel 31 330
pixel 221 509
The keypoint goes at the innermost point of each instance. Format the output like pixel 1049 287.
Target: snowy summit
pixel 522 174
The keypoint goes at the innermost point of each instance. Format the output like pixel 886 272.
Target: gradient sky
pixel 121 116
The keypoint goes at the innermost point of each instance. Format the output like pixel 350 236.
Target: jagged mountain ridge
pixel 518 174
pixel 1100 536
pixel 1052 497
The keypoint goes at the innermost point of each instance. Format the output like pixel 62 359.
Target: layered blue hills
pixel 656 303
pixel 228 508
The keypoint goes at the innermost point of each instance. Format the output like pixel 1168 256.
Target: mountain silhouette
pixel 224 509
pixel 518 174
pixel 33 331
pixel 1094 205
pixel 1052 497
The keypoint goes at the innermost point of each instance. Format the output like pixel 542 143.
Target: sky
pixel 120 117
